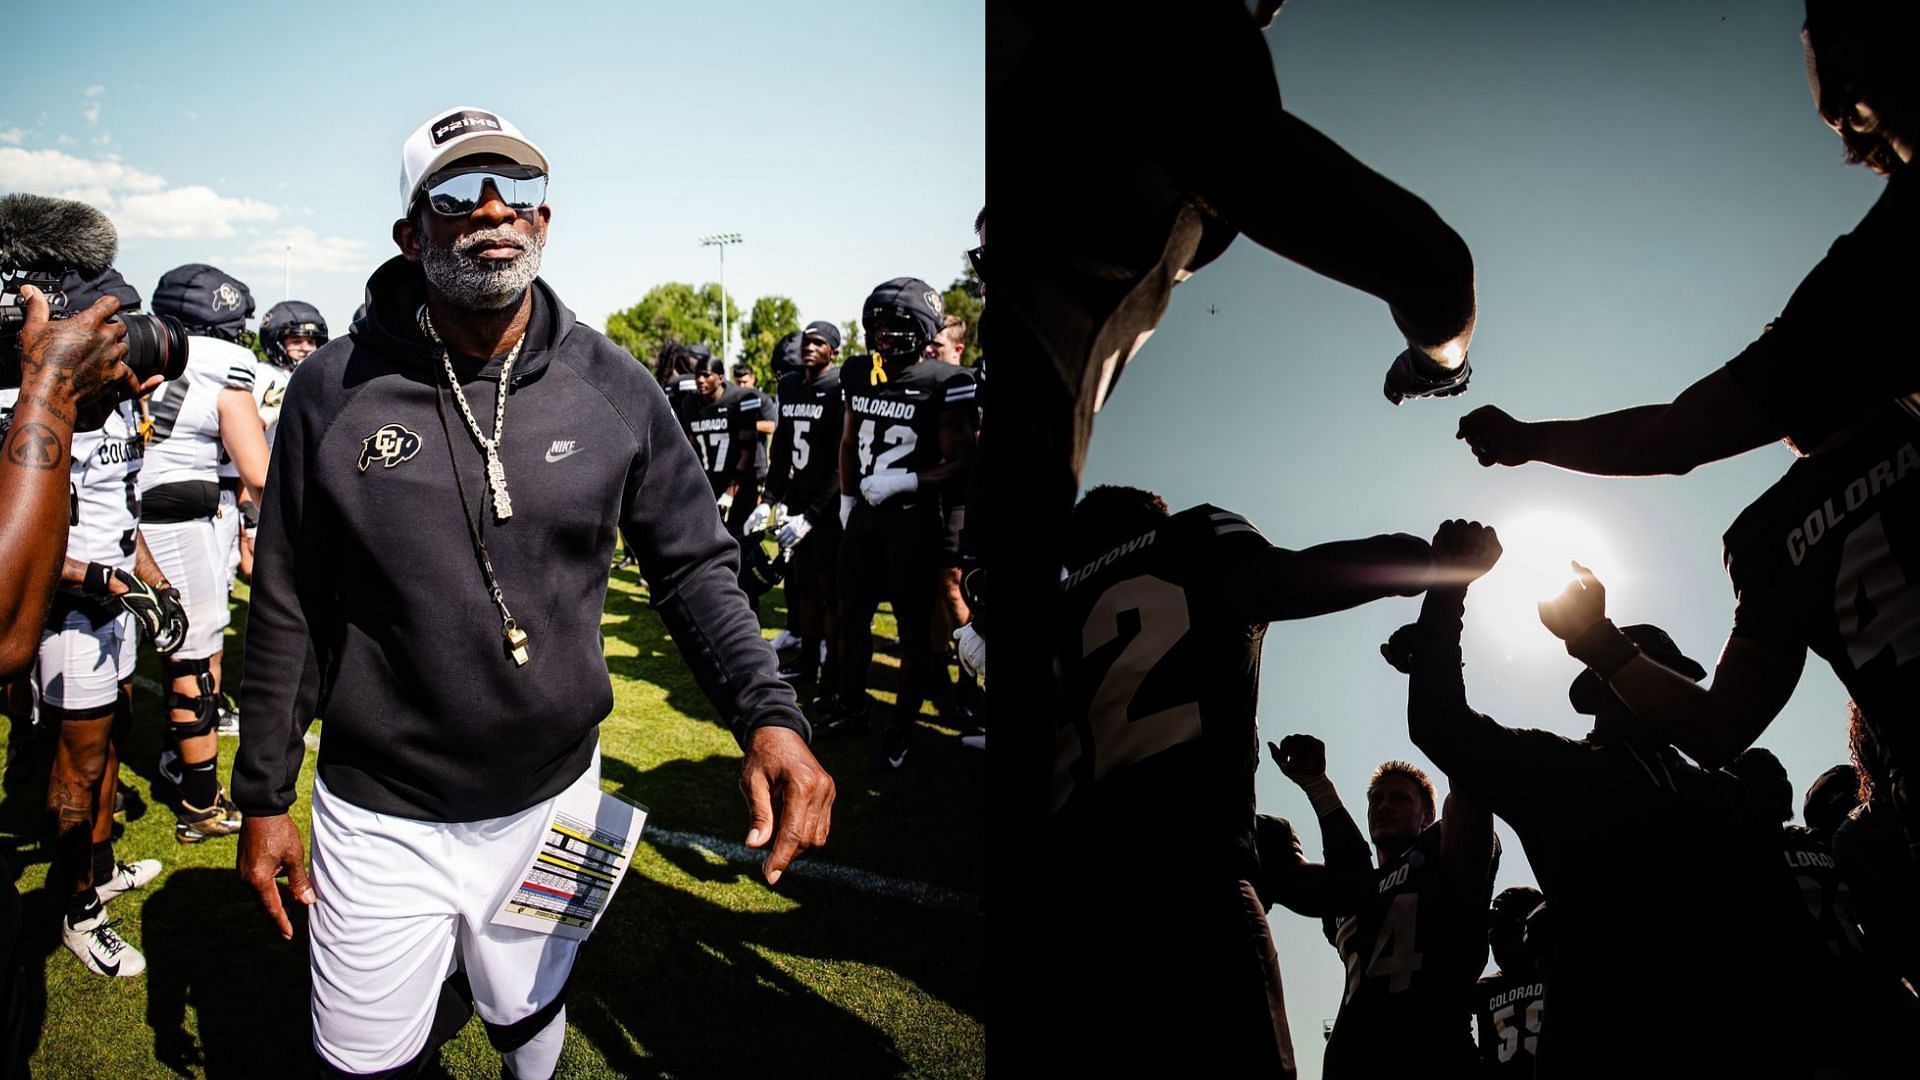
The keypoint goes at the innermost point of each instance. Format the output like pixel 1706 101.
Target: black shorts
pixel 891 553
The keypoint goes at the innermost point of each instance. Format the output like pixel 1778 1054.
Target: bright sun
pixel 1536 548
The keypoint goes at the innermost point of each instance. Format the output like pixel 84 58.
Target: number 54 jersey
pixel 1828 559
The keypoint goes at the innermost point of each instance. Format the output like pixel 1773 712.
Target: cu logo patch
pixel 226 297
pixel 390 446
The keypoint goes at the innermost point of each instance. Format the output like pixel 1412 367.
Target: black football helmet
pixel 759 572
pixel 901 317
pixel 787 354
pixel 285 319
pixel 206 300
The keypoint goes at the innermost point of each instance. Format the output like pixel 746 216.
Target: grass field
pixel 698 970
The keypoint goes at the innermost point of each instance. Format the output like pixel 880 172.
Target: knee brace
pixel 205 706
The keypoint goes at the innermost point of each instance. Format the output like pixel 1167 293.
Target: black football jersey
pixel 1508 1010
pixel 896 419
pixel 1160 671
pixel 1412 956
pixel 720 428
pixel 805 469
pixel 1828 559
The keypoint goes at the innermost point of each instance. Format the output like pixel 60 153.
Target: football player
pixel 1509 1003
pixel 673 367
pixel 1600 818
pixel 905 440
pixel 1854 995
pixel 289 332
pixel 1869 852
pixel 803 482
pixel 111 595
pixel 1417 942
pixel 723 422
pixel 193 423
pixel 1154 925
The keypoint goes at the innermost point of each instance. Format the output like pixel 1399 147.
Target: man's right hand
pixel 270 847
pixel 79 363
pixel 1462 552
pixel 1300 757
pixel 1494 437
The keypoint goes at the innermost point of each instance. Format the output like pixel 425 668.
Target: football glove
pixel 158 612
pixel 725 503
pixel 972 649
pixel 846 509
pixel 1414 374
pixel 878 489
pixel 757 521
pixel 794 531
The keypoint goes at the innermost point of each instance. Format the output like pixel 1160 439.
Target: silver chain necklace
pixel 496 472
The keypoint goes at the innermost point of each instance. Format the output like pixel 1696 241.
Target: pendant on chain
pixel 497 479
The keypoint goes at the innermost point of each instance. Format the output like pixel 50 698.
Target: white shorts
pixel 226 527
pixel 190 555
pixel 82 665
pixel 402 905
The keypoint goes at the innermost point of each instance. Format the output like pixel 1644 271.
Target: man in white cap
pixel 430 573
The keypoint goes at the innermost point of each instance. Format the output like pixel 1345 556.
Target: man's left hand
pixel 1574 611
pixel 789 797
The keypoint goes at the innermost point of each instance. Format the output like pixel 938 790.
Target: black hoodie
pixel 369 604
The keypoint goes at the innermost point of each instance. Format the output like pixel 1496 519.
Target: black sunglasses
pixel 457 193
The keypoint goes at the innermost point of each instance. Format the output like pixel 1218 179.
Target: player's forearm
pixel 1332 577
pixel 1687 713
pixel 1712 419
pixel 33 519
pixel 144 566
pixel 1439 720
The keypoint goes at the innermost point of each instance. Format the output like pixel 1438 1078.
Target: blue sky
pixel 843 141
pixel 1642 185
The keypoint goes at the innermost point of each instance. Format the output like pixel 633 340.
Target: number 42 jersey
pixel 896 418
pixel 1829 559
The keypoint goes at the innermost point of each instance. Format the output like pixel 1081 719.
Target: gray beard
pixel 482 284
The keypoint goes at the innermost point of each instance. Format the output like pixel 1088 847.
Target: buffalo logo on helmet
pixel 934 302
pixel 390 446
pixel 226 297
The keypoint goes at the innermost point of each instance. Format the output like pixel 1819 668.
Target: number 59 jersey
pixel 1158 740
pixel 896 418
pixel 1829 559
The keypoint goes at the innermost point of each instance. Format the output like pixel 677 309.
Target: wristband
pixel 98 580
pixel 1603 648
pixel 1321 794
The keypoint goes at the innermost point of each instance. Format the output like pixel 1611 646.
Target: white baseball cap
pixel 453 134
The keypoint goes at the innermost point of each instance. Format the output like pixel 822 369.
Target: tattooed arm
pixel 68 369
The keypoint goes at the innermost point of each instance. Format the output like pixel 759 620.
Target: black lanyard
pixel 516 638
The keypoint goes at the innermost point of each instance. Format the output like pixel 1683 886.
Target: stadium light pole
pixel 721 240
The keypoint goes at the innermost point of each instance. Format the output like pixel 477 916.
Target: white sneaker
pixel 974 742
pixel 136 875
pixel 784 640
pixel 103 950
pixel 169 767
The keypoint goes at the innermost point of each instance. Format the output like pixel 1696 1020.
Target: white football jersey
pixel 106 499
pixel 270 392
pixel 185 412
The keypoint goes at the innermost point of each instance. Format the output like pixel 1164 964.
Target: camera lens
pixel 156 345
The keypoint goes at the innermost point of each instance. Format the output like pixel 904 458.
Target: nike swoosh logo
pixel 111 969
pixel 551 456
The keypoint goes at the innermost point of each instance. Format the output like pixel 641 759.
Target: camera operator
pixel 72 372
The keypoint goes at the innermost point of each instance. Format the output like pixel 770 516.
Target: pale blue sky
pixel 843 141
pixel 1642 186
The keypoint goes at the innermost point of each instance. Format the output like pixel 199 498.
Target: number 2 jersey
pixel 1160 672
pixel 1828 559
pixel 1412 953
pixel 896 415
pixel 805 469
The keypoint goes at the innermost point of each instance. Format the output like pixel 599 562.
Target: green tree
pixel 962 298
pixel 672 312
pixel 850 339
pixel 772 318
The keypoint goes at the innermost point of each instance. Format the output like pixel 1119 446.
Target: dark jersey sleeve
pixel 1842 345
pixel 1337 886
pixel 1266 584
pixel 780 458
pixel 1762 604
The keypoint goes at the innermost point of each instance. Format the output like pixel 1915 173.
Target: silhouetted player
pixel 1511 1003
pixel 1603 819
pixel 1157 936
pixel 1868 850
pixel 1418 941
